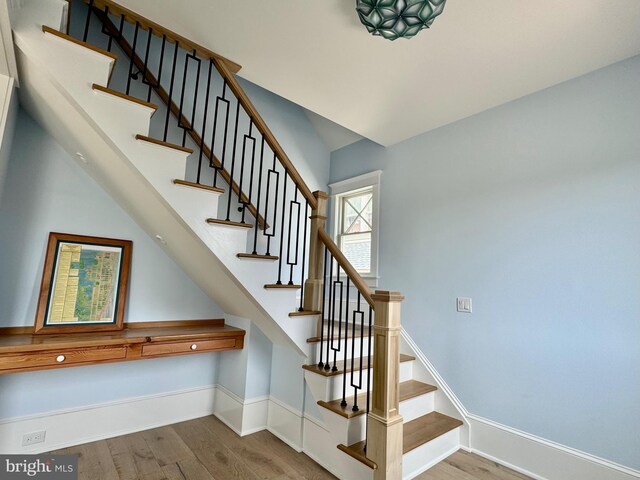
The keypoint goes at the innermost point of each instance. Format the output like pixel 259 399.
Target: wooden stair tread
pixel 304 313
pixel 257 256
pixel 414 388
pixel 186 183
pixel 424 429
pixel 229 223
pixel 155 141
pixel 129 98
pixel 71 39
pixel 357 451
pixel 365 361
pixel 284 285
pixel 414 434
pixel 408 389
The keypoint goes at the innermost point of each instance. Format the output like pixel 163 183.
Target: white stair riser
pixel 415 407
pixel 425 456
pixel 352 430
pixel 343 348
pixel 320 445
pixel 330 388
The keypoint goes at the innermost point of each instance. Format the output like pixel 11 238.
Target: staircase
pixel 163 125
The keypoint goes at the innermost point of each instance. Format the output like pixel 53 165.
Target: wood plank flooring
pixel 206 449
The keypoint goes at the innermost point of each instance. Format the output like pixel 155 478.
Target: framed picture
pixel 84 284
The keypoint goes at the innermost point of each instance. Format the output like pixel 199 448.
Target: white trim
pixel 361 181
pixel 90 423
pixel 285 422
pixel 544 459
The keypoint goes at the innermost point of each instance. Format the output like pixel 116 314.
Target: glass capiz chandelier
pixel 393 19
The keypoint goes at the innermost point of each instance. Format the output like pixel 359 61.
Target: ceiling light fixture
pixel 393 19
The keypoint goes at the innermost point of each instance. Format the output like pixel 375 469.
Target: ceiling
pixel 478 54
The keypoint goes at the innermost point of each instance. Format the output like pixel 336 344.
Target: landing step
pixel 129 98
pixel 185 183
pixel 71 39
pixel 228 223
pixel 256 256
pixel 304 313
pixel 356 366
pixel 155 141
pixel 408 389
pixel 284 285
pixel 414 434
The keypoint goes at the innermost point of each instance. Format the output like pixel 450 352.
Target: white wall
pixel 533 210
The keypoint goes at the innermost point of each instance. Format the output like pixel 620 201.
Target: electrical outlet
pixel 464 304
pixel 32 438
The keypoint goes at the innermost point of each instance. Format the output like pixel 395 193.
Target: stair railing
pixel 207 107
pixel 352 322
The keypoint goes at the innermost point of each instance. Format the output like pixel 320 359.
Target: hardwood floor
pixel 468 466
pixel 206 449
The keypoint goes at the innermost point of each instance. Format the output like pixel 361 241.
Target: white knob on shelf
pixel 194 347
pixel 60 358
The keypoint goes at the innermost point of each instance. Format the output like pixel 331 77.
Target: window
pixel 355 210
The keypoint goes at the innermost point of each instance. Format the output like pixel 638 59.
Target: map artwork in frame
pixel 84 284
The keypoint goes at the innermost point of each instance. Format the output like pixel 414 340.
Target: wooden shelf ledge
pixel 21 350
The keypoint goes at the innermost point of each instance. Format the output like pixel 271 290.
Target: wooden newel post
pixel 384 439
pixel 313 285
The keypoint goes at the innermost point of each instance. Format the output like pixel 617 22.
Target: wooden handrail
pixel 351 272
pixel 159 30
pixel 265 132
pixel 175 110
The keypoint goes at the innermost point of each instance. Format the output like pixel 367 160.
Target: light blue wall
pixel 533 210
pixel 47 191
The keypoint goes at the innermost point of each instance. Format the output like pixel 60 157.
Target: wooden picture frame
pixel 73 295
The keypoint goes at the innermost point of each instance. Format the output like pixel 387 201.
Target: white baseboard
pixel 540 458
pixel 285 422
pixel 75 426
pixel 528 454
pixel 242 416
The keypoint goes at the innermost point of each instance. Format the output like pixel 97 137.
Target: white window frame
pixel 349 187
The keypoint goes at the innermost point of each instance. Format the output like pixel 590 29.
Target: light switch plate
pixel 464 305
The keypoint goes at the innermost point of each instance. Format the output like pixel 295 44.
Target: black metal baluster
pixel 133 54
pixel 204 123
pixel 272 225
pixel 171 84
pixel 339 339
pixel 87 22
pixel 188 126
pixel 225 131
pixel 304 252
pixel 284 201
pixel 257 225
pixel 329 281
pixel 346 348
pixel 297 233
pixel 323 310
pixel 359 385
pixel 146 63
pixel 233 158
pixel 244 204
pixel 250 196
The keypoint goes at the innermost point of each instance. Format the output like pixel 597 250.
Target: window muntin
pixel 356 228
